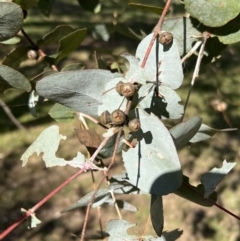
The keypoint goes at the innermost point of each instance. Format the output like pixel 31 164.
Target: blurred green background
pixel 217 86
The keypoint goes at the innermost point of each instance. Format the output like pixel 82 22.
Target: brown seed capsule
pixel 165 38
pixel 32 54
pixel 134 125
pixel 105 117
pixel 118 117
pixel 125 89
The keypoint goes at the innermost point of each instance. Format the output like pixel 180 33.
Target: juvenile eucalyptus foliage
pixel 152 167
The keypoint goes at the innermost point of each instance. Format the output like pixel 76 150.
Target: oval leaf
pixel 100 197
pixel 153 165
pixel 10 78
pixel 46 6
pixel 214 13
pixel 156 212
pixel 184 131
pixel 16 57
pixel 11 16
pixel 80 90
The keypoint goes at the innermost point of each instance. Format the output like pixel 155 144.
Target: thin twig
pixel 145 228
pixel 11 116
pixel 210 201
pixel 196 71
pixel 156 30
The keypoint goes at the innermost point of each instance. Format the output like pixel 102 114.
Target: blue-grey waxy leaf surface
pixel 108 149
pixel 101 196
pixel 211 179
pixel 153 165
pixel 117 230
pixel 184 131
pixel 10 78
pixel 205 132
pixel 165 107
pixel 183 31
pixel 80 90
pixel 110 98
pixel 156 213
pixel 11 16
pixel 171 73
pixel 121 204
pixel 189 192
pixel 214 13
pixel 47 143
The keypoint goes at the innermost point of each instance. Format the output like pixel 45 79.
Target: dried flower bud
pixel 118 117
pixel 125 89
pixel 32 54
pixel 165 38
pixel 134 125
pixel 105 117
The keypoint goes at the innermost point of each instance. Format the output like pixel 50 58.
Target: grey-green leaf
pixel 205 132
pixel 189 192
pixel 122 205
pixel 211 179
pixel 16 57
pixel 11 16
pixel 153 165
pixel 61 113
pixel 80 90
pixel 46 6
pixel 214 13
pixel 26 4
pixel 156 213
pixel 69 43
pixel 100 197
pixel 184 131
pixel 10 78
pixel 55 36
pixel 47 143
pixel 183 32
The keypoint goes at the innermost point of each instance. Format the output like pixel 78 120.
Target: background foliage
pixel 218 81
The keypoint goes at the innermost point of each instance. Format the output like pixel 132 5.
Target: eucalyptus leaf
pixel 8 27
pixel 117 230
pixel 13 40
pixel 69 43
pixel 89 5
pixel 100 197
pixel 26 4
pixel 205 11
pixel 205 132
pixel 184 131
pixel 74 89
pixel 153 165
pixel 145 8
pixel 156 213
pixel 69 67
pixel 189 192
pixel 121 204
pixel 47 143
pixel 10 78
pixel 16 57
pixel 46 6
pixel 183 32
pixel 61 113
pixel 211 179
pixel 55 35
pixel 170 69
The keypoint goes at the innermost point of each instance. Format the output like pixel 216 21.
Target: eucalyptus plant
pixel 131 104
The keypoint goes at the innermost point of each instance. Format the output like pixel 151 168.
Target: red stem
pixel 155 32
pixel 33 209
pixel 212 202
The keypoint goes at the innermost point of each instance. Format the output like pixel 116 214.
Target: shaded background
pixel 24 187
